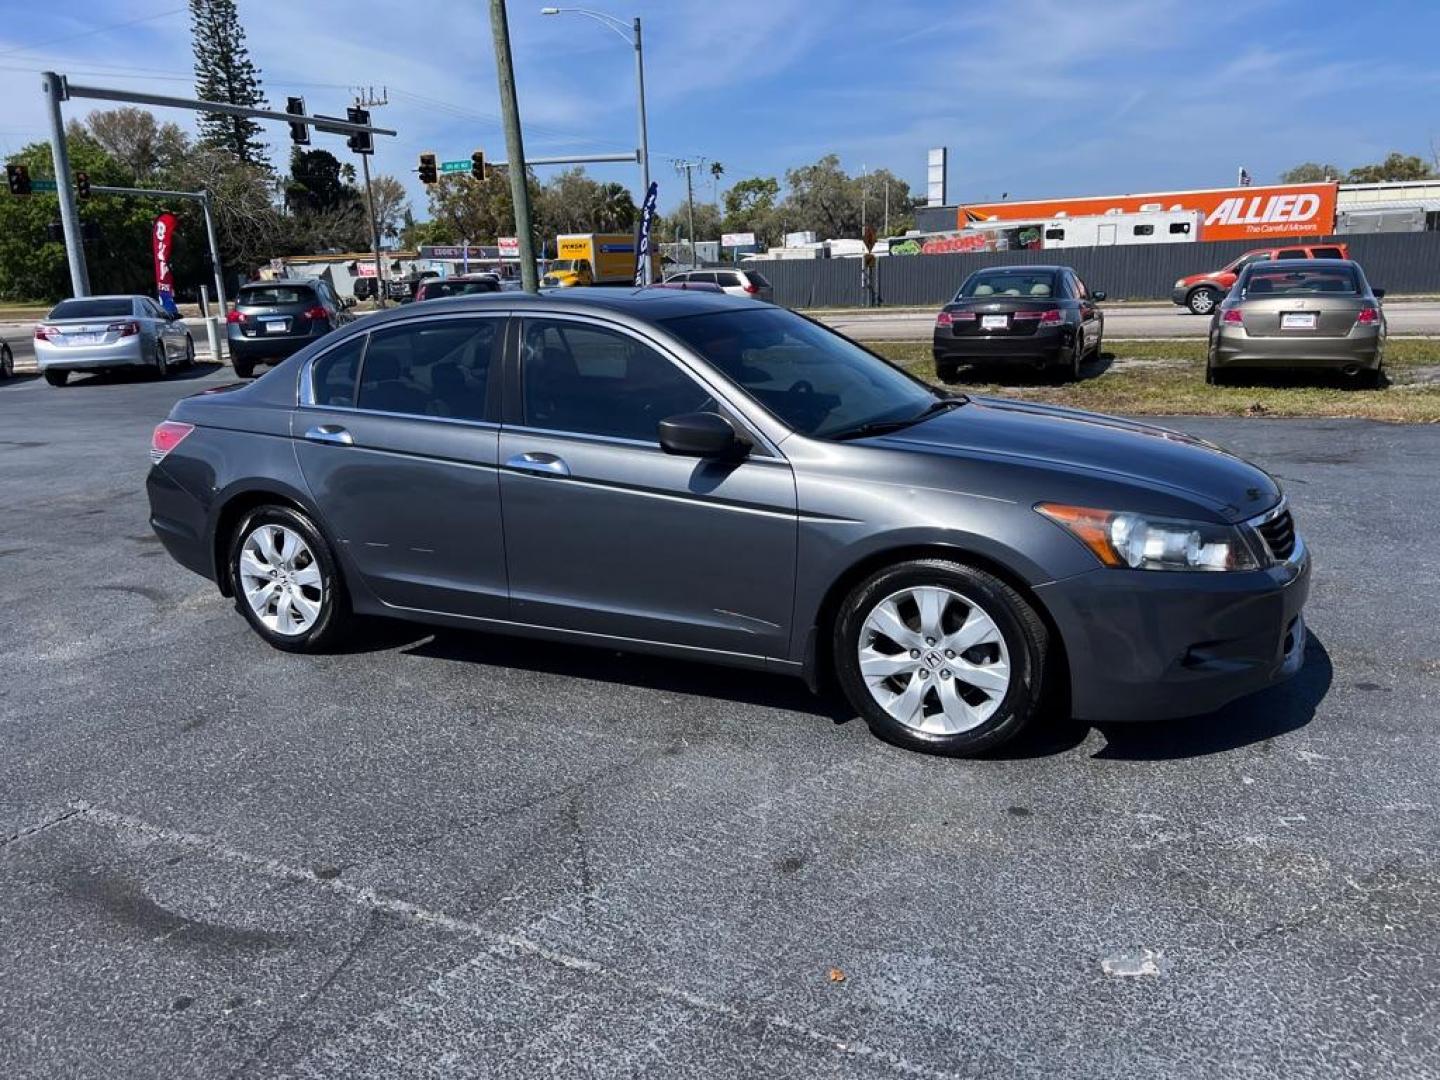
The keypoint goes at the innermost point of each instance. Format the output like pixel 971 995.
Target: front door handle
pixel 333 434
pixel 539 462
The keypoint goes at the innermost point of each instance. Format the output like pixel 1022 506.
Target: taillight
pixel 317 312
pixel 753 290
pixel 1368 317
pixel 233 316
pixel 45 333
pixel 1233 317
pixel 124 329
pixel 1042 317
pixel 945 318
pixel 168 435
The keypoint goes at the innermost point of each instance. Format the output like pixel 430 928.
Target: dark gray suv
pixel 705 477
pixel 273 319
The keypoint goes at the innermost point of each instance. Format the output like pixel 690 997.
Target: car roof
pixel 1026 269
pixel 642 305
pixel 278 281
pixel 1305 264
pixel 106 296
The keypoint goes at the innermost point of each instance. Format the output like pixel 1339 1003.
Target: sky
pixel 1033 98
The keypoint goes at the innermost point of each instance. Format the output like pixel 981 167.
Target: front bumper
pixel 1044 346
pixel 1179 296
pixel 127 352
pixel 1361 348
pixel 1158 645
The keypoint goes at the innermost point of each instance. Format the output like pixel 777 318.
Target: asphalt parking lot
pixel 442 854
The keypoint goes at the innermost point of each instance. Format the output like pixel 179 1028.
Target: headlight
pixel 1122 539
pixel 1180 284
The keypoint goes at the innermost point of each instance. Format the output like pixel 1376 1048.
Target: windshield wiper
pixel 883 427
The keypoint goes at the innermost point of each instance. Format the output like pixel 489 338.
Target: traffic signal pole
pixel 69 212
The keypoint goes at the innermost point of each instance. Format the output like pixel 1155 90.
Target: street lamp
pixel 631 35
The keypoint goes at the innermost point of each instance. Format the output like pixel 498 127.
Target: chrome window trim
pixel 713 385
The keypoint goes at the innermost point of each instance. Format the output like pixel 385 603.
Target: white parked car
pixel 749 283
pixel 102 333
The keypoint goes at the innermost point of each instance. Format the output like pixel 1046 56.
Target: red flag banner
pixel 162 242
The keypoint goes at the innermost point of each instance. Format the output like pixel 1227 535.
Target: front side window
pixel 591 380
pixel 430 368
pixel 813 380
pixel 334 375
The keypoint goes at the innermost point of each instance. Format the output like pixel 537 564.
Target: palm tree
pixel 614 209
pixel 716 171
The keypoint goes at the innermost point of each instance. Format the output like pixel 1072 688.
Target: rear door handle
pixel 539 462
pixel 333 434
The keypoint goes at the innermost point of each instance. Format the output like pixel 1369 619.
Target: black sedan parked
pixel 707 477
pixel 1038 315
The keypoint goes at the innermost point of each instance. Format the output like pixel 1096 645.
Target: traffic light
pixel 477 165
pixel 82 185
pixel 19 178
pixel 361 141
pixel 299 133
pixel 428 173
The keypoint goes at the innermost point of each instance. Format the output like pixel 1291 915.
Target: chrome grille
pixel 1279 534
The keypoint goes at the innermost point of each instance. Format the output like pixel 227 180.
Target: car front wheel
pixel 1203 301
pixel 941 657
pixel 285 580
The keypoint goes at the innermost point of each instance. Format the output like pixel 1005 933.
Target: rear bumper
pixel 127 352
pixel 1362 347
pixel 180 521
pixel 274 347
pixel 1043 346
pixel 1154 645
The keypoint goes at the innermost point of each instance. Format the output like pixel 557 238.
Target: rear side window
pixel 1327 253
pixel 728 281
pixel 703 278
pixel 334 375
pixel 93 309
pixel 433 368
pixel 1292 253
pixel 274 295
pixel 757 278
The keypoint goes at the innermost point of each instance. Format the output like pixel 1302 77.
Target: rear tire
pixel 162 362
pixel 973 682
pixel 1203 301
pixel 1370 378
pixel 56 378
pixel 7 362
pixel 245 369
pixel 189 351
pixel 947 371
pixel 1077 358
pixel 286 582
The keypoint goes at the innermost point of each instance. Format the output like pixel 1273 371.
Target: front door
pixel 607 534
pixel 398 445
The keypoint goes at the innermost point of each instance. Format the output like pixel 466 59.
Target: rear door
pixel 607 534
pixel 397 438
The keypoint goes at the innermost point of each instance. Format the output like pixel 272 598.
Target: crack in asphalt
pixel 506 946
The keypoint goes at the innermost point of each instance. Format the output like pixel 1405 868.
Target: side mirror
pixel 1096 296
pixel 701 434
pixel 1379 293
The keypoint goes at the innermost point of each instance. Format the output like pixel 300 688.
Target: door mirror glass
pixel 701 434
pixel 1097 295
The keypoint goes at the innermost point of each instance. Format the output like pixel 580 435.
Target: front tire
pixel 1202 301
pixel 56 378
pixel 285 580
pixel 940 657
pixel 162 362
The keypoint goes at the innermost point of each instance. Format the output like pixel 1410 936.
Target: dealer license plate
pixel 277 326
pixel 84 339
pixel 994 322
pixel 1297 320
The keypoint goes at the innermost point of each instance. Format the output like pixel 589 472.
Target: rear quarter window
pixel 1327 253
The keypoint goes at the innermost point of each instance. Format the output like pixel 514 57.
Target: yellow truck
pixel 594 259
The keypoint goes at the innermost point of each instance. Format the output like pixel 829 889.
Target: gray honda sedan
pixel 700 476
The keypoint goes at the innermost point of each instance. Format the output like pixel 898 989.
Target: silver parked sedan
pixel 1318 314
pixel 102 333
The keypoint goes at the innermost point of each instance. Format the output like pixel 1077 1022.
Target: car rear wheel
pixel 1370 378
pixel 162 362
pixel 189 351
pixel 243 368
pixel 56 378
pixel 1077 358
pixel 285 580
pixel 1203 301
pixel 7 362
pixel 947 370
pixel 940 657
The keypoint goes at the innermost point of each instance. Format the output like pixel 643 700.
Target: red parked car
pixel 1202 293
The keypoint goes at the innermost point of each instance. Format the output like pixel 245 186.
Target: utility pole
pixel 688 168
pixel 69 213
pixel 864 193
pixel 887 206
pixel 514 145
pixel 368 100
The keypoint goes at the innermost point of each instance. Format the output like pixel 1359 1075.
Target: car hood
pixel 1102 446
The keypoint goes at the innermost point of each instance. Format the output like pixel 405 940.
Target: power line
pixel 92 33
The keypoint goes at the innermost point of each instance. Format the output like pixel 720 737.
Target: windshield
pixel 92 309
pixel 271 295
pixel 1279 280
pixel 812 379
pixel 563 264
pixel 1025 283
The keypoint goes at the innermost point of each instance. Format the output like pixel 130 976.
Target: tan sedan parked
pixel 1317 315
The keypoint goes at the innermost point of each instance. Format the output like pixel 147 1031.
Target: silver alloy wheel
pixel 934 660
pixel 281 579
pixel 1202 302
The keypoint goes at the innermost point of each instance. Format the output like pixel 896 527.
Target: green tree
pixel 392 205
pixel 463 208
pixel 224 72
pixel 1310 173
pixel 137 141
pixel 251 230
pixel 613 209
pixel 317 182
pixel 750 207
pixel 1396 166
pixel 823 198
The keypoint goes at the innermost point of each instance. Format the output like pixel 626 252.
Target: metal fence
pixel 1397 262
